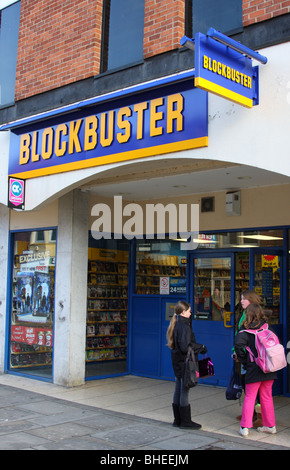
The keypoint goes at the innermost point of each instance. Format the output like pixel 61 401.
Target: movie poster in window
pixel 25 285
pixel 33 296
pixel 42 293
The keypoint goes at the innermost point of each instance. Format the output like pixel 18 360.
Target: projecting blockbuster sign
pixel 225 72
pixel 158 121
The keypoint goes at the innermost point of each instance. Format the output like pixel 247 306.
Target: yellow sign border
pixel 206 85
pixel 114 158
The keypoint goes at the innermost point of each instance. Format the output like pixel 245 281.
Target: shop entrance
pixel 212 291
pixel 216 283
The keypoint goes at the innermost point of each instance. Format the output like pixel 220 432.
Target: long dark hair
pixel 254 315
pixel 179 308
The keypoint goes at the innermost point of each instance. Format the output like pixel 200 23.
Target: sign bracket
pixel 224 67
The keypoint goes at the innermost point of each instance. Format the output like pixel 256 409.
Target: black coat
pixel 183 339
pixel 253 371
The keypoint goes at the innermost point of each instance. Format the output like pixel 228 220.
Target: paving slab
pixel 39 421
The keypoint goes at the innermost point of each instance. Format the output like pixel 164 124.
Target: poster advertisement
pixel 24 292
pixel 42 291
pixel 31 335
pixel 33 296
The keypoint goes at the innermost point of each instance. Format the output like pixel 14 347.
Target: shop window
pixel 223 15
pixel 122 41
pixel 246 239
pixel 32 309
pixel 107 307
pixel 160 267
pixel 9 29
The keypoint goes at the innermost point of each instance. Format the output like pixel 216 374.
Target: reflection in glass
pixel 212 288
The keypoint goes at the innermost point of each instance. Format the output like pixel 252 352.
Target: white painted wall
pixel 259 136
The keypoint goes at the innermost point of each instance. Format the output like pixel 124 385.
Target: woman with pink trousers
pixel 255 379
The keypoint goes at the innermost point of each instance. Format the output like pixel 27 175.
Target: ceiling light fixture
pixel 260 237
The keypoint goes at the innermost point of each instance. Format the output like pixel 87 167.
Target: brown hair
pixel 179 308
pixel 254 314
pixel 252 296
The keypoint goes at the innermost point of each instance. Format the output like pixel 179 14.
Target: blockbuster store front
pixel 89 296
pixel 132 287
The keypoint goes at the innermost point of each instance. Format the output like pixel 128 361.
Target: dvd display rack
pixel 150 269
pixel 107 306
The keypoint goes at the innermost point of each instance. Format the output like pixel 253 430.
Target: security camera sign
pixel 16 191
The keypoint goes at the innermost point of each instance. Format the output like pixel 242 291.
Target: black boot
pixel 176 415
pixel 185 417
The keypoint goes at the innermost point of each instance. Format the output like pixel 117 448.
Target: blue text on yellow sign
pixel 225 72
pixel 166 119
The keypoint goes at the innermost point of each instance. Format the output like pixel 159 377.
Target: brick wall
pixel 163 25
pixel 59 43
pixel 60 40
pixel 164 20
pixel 255 11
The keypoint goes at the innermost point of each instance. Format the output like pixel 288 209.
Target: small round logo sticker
pixel 16 188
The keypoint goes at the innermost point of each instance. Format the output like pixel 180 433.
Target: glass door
pixel 212 309
pixel 212 288
pixel 267 282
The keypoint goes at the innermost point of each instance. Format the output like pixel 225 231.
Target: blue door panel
pixel 145 349
pixel 219 343
pixel 166 364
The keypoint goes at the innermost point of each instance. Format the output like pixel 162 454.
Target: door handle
pixel 227 318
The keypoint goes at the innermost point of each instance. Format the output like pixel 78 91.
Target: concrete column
pixel 71 289
pixel 4 241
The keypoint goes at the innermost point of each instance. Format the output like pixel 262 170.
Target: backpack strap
pixel 252 357
pixel 254 332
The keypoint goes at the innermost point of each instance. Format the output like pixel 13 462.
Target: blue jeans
pixel 180 396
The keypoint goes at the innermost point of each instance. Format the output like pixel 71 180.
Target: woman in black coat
pixel 180 338
pixel 255 379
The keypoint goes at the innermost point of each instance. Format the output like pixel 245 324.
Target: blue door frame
pixel 217 337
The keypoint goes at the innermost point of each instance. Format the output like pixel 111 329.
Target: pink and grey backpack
pixel 271 354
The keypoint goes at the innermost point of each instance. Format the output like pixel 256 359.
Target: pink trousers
pixel 266 402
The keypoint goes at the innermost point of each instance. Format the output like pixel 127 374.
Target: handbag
pixel 206 368
pixel 190 378
pixel 234 389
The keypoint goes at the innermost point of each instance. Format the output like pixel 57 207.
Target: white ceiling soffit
pixel 160 181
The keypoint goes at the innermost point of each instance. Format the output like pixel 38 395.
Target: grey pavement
pixel 124 413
